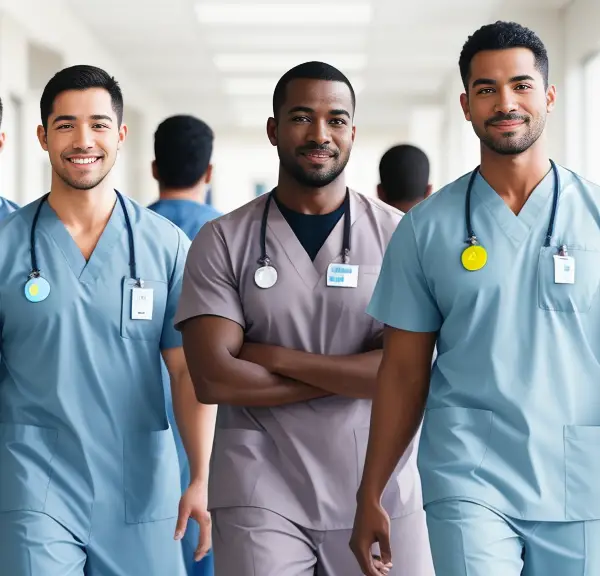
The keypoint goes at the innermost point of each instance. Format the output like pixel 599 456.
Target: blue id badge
pixel 342 275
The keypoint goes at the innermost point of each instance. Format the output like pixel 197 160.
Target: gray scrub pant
pixel 34 544
pixel 468 539
pixel 257 542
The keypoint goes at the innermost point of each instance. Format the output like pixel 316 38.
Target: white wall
pixel 582 41
pixel 53 25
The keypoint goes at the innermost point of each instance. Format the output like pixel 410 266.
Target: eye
pixel 486 91
pixel 522 87
pixel 339 122
pixel 64 126
pixel 100 127
pixel 300 119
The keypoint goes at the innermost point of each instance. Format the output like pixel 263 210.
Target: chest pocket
pixel 149 330
pixel 573 298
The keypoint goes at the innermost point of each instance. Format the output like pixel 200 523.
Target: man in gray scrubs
pixel 275 332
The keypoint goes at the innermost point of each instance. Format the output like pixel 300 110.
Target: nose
pixel 83 138
pixel 319 132
pixel 506 101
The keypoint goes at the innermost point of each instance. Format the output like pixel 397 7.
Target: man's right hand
pixel 371 525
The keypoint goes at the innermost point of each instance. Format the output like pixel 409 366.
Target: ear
pixel 550 99
pixel 381 193
pixel 464 104
pixel 123 131
pixel 42 138
pixel 272 131
pixel 208 174
pixel 2 140
pixel 155 170
pixel 353 133
pixel 429 190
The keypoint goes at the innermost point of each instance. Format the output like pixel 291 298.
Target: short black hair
pixel 183 147
pixel 308 71
pixel 404 173
pixel 80 77
pixel 1 111
pixel 502 36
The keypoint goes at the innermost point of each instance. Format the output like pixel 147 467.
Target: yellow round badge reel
pixel 474 258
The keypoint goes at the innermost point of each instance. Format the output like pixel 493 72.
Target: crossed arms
pixel 226 370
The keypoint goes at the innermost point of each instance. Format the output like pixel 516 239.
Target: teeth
pixel 83 160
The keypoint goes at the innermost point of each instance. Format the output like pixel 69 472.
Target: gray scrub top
pixel 83 430
pixel 513 415
pixel 303 461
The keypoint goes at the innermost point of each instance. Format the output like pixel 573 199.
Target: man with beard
pixel 501 268
pixel 89 479
pixel 275 332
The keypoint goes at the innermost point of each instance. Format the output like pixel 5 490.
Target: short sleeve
pixel 209 285
pixel 170 337
pixel 402 298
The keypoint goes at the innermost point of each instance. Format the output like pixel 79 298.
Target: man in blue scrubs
pixel 90 482
pixel 505 279
pixel 6 206
pixel 183 148
pixel 403 177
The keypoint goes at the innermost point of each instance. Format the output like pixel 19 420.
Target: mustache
pixel 510 117
pixel 318 147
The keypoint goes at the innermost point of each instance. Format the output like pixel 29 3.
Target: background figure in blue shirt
pixel 183 148
pixel 6 206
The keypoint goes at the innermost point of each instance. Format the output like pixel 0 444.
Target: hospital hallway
pixel 299 288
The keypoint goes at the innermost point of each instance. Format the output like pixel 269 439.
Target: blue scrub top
pixel 6 207
pixel 83 424
pixel 513 414
pixel 190 216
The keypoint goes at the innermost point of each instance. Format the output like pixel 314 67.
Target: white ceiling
pixel 226 72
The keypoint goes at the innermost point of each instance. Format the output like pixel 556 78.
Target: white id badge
pixel 564 270
pixel 142 301
pixel 342 275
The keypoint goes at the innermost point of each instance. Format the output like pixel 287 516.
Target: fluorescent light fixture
pixel 228 39
pixel 243 62
pixel 292 14
pixel 265 86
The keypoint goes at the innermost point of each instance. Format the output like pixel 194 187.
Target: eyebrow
pixel 68 118
pixel 489 81
pixel 336 112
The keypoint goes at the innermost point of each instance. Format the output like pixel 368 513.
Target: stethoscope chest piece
pixel 265 276
pixel 37 289
pixel 474 257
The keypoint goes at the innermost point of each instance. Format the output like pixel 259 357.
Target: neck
pixel 404 206
pixel 309 200
pixel 515 177
pixel 195 193
pixel 82 209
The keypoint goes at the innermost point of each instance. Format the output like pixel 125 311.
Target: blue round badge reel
pixel 37 289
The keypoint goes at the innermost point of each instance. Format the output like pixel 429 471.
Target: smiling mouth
pixel 84 161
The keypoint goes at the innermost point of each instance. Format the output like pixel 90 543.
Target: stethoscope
pixel 266 274
pixel 474 257
pixel 37 287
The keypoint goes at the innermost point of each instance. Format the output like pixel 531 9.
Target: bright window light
pixel 282 62
pixel 292 14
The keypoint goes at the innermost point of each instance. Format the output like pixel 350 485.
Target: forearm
pixel 244 383
pixel 354 376
pixel 396 414
pixel 196 424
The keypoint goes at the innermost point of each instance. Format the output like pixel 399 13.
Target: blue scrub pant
pixel 191 538
pixel 34 544
pixel 468 539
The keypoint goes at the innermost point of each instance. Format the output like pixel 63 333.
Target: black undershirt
pixel 312 230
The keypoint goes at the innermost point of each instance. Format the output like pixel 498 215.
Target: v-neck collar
pixel 85 272
pixel 516 226
pixel 310 271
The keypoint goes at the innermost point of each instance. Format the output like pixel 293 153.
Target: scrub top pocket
pixel 570 298
pixel 149 330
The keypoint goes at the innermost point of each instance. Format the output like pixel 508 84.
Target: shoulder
pixel 19 219
pixel 571 182
pixel 153 227
pixel 239 219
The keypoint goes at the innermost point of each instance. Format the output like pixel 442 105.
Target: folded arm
pixel 353 375
pixel 212 345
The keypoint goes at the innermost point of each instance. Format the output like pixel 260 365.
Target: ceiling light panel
pixel 323 14
pixel 263 62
